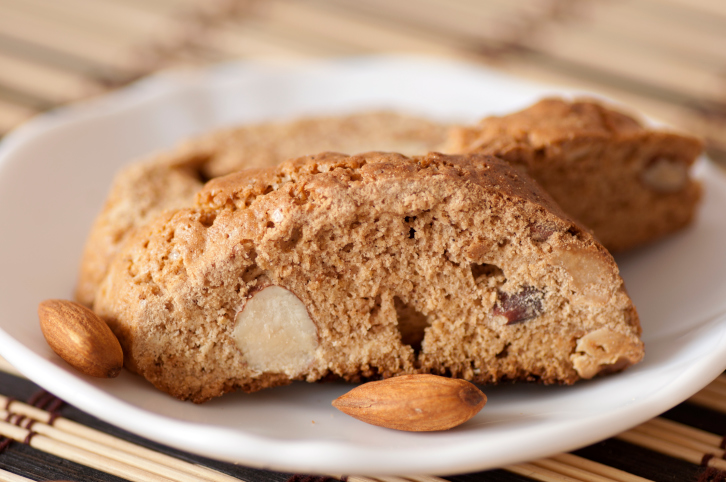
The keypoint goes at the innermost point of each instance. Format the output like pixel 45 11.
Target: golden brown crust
pixel 593 160
pixel 144 189
pixel 468 259
pixel 590 158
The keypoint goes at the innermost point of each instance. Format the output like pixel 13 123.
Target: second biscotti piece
pixel 367 266
pixel 627 182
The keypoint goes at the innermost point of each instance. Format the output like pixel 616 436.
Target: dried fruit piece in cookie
pixel 629 183
pixel 362 267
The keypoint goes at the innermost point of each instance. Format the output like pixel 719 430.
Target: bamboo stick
pixel 164 7
pixel 720 380
pixel 116 21
pixel 6 476
pixel 424 478
pixel 357 478
pixel 710 7
pixel 677 439
pixel 56 32
pixel 167 471
pixel 668 35
pixel 597 468
pixel 717 389
pixel 398 479
pixel 686 431
pixel 80 456
pixel 452 20
pixel 570 470
pixel 576 44
pixel 59 37
pixel 48 83
pixel 538 473
pixel 93 440
pixel 668 448
pixel 257 39
pixel 344 25
pixel 12 115
pixel 710 400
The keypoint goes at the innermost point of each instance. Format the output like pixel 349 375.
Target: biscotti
pixel 365 267
pixel 628 183
pixel 170 180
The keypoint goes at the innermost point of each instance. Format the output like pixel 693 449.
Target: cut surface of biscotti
pixel 364 267
pixel 169 180
pixel 629 183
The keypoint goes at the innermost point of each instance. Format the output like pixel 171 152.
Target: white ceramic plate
pixel 54 173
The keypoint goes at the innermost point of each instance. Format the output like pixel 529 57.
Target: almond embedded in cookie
pixel 381 265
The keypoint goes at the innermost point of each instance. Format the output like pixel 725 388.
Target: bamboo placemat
pixel 42 438
pixel 665 58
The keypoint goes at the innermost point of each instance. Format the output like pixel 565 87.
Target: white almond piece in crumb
pixel 275 333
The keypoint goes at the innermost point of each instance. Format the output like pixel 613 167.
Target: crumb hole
pixel 207 219
pixel 289 243
pixel 488 274
pixel 505 351
pixel 411 233
pixel 411 324
pixel 201 174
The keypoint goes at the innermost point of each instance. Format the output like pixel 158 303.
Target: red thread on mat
pixel 4 444
pixel 712 475
pixel 49 402
pixel 18 419
pixel 36 397
pixel 53 417
pixel 706 459
pixel 311 478
pixel 29 437
pixel 44 401
pixel 7 404
pixel 55 405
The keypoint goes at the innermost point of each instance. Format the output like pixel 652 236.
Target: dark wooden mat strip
pixel 42 438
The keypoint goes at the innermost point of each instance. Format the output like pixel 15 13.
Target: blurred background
pixel 666 58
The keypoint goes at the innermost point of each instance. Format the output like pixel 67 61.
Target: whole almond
pixel 415 403
pixel 81 338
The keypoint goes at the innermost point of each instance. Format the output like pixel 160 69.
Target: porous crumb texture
pixel 455 265
pixel 144 189
pixel 626 182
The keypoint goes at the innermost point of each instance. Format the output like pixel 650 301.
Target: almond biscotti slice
pixel 628 183
pixel 170 180
pixel 367 266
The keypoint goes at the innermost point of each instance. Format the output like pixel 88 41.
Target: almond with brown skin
pixel 81 338
pixel 415 403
